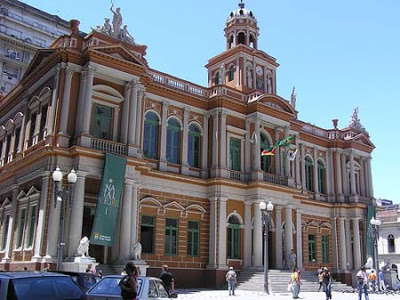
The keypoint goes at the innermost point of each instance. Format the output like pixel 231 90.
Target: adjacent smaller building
pixel 389 235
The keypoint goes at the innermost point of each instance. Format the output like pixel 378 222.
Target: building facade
pixel 195 174
pixel 23 30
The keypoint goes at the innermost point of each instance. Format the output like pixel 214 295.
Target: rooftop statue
pixel 114 29
pixel 355 121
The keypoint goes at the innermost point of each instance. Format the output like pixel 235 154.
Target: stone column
pixel 315 171
pixel 342 243
pixel 53 104
pixel 126 221
pixel 297 161
pixel 257 237
pixel 356 244
pixel 362 177
pixel 277 154
pixel 329 175
pixel 352 175
pixel 12 222
pixel 204 150
pixel 41 220
pixel 247 235
pixel 81 102
pixel 223 140
pixel 215 151
pixel 299 240
pixel 64 114
pixel 257 148
pixel 334 245
pixel 87 105
pixel 132 112
pixel 369 176
pixel 125 113
pixel 349 253
pixel 278 236
pixel 134 214
pixel 303 167
pixel 222 233
pixel 186 113
pixel 247 167
pixel 212 255
pixel 285 158
pixel 344 175
pixel 75 231
pixel 139 118
pixel 53 227
pixel 288 234
pixel 21 137
pixel 338 175
pixel 163 145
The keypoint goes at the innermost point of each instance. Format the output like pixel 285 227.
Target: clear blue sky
pixel 339 54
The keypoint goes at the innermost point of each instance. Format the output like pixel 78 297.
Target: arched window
pixel 150 139
pixel 216 78
pixel 231 73
pixel 265 159
pixel 309 173
pixel 241 38
pixel 173 141
pixel 321 177
pixel 233 249
pixel 391 246
pixel 194 146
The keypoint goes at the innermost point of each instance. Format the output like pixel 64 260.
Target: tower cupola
pixel 241 28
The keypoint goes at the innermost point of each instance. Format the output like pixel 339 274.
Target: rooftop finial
pixel 293 97
pixel 241 4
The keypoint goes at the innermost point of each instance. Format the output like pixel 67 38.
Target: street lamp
pixel 374 233
pixel 60 195
pixel 266 209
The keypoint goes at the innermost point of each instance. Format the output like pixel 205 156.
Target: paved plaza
pixel 251 295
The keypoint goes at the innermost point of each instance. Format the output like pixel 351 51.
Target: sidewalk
pixel 251 295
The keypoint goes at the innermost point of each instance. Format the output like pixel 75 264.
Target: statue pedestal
pixel 78 264
pixel 140 264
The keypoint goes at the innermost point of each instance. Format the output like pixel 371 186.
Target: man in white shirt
pixel 362 280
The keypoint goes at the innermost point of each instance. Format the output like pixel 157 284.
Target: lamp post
pixel 60 196
pixel 266 209
pixel 374 233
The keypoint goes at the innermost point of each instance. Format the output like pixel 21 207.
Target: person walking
pixel 327 282
pixel 230 277
pixel 295 284
pixel 168 279
pixel 362 280
pixel 372 280
pixel 381 277
pixel 128 283
pixel 321 280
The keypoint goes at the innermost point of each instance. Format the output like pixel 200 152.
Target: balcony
pixel 273 178
pixel 109 146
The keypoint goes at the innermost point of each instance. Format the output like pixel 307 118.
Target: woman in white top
pixel 362 280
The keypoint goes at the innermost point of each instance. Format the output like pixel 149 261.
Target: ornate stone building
pixel 194 176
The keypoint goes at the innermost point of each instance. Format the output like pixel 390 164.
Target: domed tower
pixel 242 66
pixel 241 28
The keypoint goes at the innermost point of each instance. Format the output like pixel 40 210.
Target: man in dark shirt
pixel 167 278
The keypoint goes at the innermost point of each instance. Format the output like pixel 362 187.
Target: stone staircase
pixel 278 280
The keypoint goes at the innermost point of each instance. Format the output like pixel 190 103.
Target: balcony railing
pixel 109 146
pixel 239 176
pixel 269 177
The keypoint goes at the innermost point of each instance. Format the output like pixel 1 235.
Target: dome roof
pixel 241 13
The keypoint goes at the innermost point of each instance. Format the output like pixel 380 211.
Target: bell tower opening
pixel 242 38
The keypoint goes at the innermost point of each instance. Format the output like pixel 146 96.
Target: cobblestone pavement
pixel 251 295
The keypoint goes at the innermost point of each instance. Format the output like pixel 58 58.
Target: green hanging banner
pixel 108 200
pixel 370 239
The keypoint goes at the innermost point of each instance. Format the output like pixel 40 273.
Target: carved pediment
pixel 119 52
